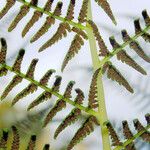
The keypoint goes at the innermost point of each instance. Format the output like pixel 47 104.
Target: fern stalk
pixel 102 113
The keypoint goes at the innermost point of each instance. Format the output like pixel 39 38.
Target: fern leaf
pixel 31 88
pixel 18 61
pixel 31 145
pixel 93 91
pixel 74 49
pixel 125 58
pixel 30 72
pixel 46 95
pixel 4 139
pixel 135 46
pixel 60 104
pixel 113 135
pixel 70 11
pixel 44 80
pixel 80 32
pixel 7 7
pixel 48 5
pixel 106 7
pixel 73 116
pixel 138 29
pixel 138 126
pixel 46 147
pixel 3 51
pixel 103 48
pixel 146 17
pixel 61 31
pixel 83 12
pixel 147 117
pixel 36 16
pixel 48 23
pixel 115 75
pixel 16 139
pixel 22 13
pixel 15 81
pixel 86 129
pixel 128 135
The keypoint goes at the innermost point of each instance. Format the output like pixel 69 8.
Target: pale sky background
pixel 121 105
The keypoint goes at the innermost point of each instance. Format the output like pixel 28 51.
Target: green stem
pixel 102 113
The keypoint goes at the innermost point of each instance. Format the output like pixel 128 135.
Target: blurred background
pixel 121 105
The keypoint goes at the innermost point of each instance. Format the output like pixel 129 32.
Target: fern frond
pixel 60 33
pixel 73 116
pixel 113 135
pixel 147 117
pixel 46 95
pixel 31 144
pixel 48 23
pixel 138 126
pixel 128 135
pixel 146 17
pixel 16 139
pixel 129 143
pixel 22 13
pixel 103 48
pixel 15 81
pixel 83 12
pixel 62 29
pixel 74 49
pixel 3 51
pixel 138 29
pixel 135 46
pixel 34 84
pixel 18 61
pixel 60 104
pixel 36 16
pixel 30 72
pixel 115 75
pixel 86 129
pixel 125 58
pixel 4 139
pixel 7 7
pixel 106 7
pixel 93 103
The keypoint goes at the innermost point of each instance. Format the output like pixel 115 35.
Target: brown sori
pixel 46 95
pixel 125 58
pixel 73 116
pixel 113 135
pixel 92 100
pixel 135 46
pixel 49 21
pixel 128 135
pixel 106 7
pixel 60 104
pixel 16 139
pixel 7 7
pixel 138 29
